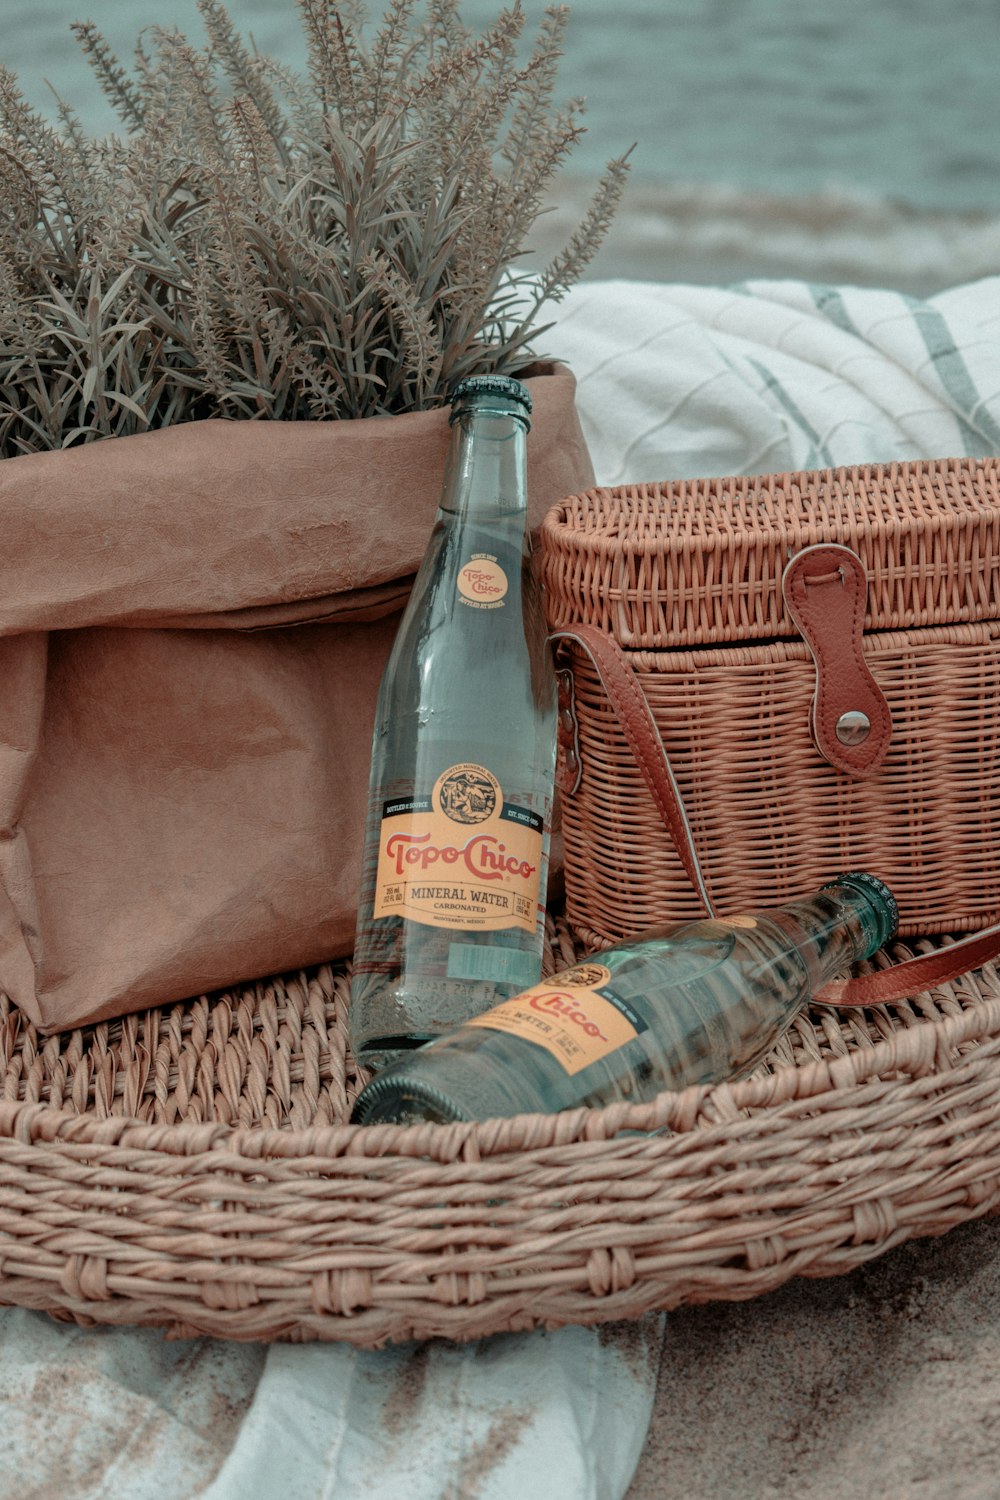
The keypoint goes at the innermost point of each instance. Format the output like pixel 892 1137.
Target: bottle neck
pixel 839 926
pixel 487 463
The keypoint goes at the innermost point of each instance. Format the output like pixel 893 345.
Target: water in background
pixel 851 141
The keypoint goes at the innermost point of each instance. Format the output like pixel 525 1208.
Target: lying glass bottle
pixel 690 1004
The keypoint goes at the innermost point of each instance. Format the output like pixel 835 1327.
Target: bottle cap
pixel 881 898
pixel 503 386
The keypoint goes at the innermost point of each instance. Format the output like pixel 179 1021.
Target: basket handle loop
pixel 899 981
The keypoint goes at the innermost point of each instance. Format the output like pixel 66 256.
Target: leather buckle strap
pixel 914 975
pixel 825 589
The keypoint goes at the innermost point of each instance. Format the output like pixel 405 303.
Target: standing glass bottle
pixel 693 1004
pixel 451 915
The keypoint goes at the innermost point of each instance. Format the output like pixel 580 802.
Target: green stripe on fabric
pixel 976 422
pixel 818 455
pixel 831 304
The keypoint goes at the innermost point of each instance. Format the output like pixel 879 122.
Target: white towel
pixel 124 1414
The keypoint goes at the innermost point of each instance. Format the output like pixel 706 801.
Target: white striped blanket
pixel 770 376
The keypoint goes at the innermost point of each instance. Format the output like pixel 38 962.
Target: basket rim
pixel 914 1052
pixel 719 536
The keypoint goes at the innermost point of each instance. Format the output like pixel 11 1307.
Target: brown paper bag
pixel 193 625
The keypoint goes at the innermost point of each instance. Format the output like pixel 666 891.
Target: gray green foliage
pixel 257 243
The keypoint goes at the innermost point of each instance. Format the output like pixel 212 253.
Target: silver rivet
pixel 853 727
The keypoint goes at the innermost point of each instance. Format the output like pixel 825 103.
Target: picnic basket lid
pixel 700 561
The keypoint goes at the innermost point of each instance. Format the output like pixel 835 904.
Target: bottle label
pixel 493 961
pixel 462 858
pixel 575 1016
pixel 482 583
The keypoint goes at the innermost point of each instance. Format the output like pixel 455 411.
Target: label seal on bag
pixel 575 1016
pixel 461 858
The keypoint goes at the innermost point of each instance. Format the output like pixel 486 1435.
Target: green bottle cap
pixel 503 386
pixel 881 899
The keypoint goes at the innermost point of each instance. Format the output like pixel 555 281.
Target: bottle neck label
pixel 576 1017
pixel 462 858
pixel 482 582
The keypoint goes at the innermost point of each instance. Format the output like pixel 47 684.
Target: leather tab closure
pixel 825 591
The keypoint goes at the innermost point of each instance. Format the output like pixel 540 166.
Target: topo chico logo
pixel 585 976
pixel 564 1005
pixel 482 582
pixel 462 857
pixel 467 794
pixel 485 857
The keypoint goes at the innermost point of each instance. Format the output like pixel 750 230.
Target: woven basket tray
pixel 191 1168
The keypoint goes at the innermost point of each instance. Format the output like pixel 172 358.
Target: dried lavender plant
pixel 262 244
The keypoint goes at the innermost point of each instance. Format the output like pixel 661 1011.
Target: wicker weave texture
pixel 191 1169
pixel 697 562
pixel 769 815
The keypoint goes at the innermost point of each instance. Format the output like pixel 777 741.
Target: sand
pixel 883 1384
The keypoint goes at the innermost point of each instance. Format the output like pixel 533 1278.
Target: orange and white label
pixel 482 583
pixel 462 858
pixel 569 1016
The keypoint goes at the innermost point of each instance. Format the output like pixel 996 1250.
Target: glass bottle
pixel 452 907
pixel 691 1004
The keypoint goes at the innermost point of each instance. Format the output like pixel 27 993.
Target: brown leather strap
pixel 629 703
pixel 915 974
pixel 625 694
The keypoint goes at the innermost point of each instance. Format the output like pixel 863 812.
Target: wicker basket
pixel 191 1168
pixel 686 577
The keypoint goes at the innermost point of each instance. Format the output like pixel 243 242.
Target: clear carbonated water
pixel 463 762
